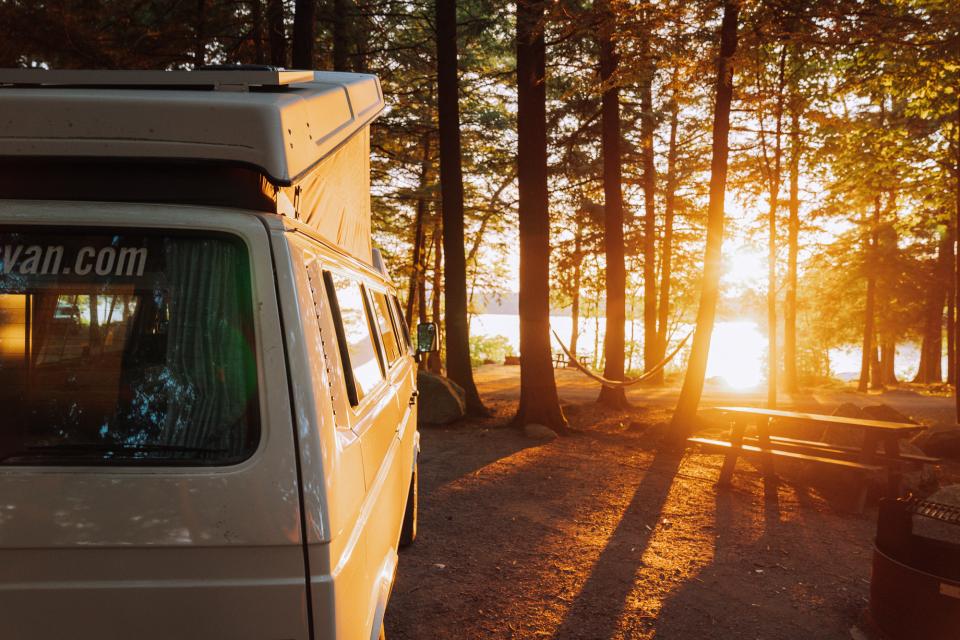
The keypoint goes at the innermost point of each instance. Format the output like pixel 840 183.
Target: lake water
pixel 738 349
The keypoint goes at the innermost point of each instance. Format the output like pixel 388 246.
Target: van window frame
pixel 374 292
pixel 349 379
pixel 407 344
pixel 254 409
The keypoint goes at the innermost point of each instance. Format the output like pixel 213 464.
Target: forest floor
pixel 603 535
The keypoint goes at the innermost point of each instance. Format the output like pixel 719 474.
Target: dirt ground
pixel 603 535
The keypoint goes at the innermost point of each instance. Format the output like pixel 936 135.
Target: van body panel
pixel 367 451
pixel 101 552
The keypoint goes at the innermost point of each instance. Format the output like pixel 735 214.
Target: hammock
pixel 620 384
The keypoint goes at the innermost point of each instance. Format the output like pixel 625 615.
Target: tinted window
pixel 125 348
pixel 357 337
pixel 382 311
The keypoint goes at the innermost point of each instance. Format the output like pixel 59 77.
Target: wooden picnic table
pixel 863 459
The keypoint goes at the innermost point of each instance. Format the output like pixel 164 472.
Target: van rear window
pixel 125 348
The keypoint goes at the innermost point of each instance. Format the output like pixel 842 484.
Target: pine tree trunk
pixel 790 381
pixel 200 36
pixel 616 274
pixel 956 274
pixel 930 369
pixel 689 400
pixel 652 349
pixel 451 194
pixel 869 351
pixel 951 309
pixel 539 402
pixel 341 35
pixel 304 32
pixel 419 233
pixel 277 32
pixel 256 31
pixel 434 361
pixel 774 204
pixel 666 248
pixel 577 276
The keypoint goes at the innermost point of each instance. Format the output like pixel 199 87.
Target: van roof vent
pixel 218 78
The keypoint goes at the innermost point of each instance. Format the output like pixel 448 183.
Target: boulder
pixel 441 401
pixel 536 431
pixel 887 413
pixel 941 441
pixel 853 437
pixel 513 361
pixel 844 436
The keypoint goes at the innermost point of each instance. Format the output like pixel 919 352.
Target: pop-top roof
pixel 283 122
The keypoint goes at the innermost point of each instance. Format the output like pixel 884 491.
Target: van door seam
pixel 296 441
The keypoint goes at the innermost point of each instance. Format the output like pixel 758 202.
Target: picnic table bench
pixel 863 459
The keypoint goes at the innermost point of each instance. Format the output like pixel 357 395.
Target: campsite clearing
pixel 600 535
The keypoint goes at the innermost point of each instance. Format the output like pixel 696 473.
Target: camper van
pixel 207 383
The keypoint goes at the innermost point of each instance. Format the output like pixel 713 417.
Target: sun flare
pixel 737 354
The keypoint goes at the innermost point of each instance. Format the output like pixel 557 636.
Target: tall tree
pixel 652 349
pixel 277 32
pixel 689 400
pixel 451 193
pixel 304 33
pixel 539 402
pixel 869 350
pixel 666 246
pixel 616 276
pixel 790 381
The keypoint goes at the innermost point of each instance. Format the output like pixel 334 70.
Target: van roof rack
pixel 218 78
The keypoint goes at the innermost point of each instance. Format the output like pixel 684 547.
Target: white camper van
pixel 206 381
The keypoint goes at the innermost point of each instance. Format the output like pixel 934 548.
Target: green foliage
pixel 489 348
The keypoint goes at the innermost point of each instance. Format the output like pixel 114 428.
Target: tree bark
pixel 774 179
pixel 277 32
pixel 304 33
pixel 869 352
pixel 666 248
pixel 341 35
pixel 419 234
pixel 200 36
pixel 616 273
pixel 951 308
pixel 790 381
pixel 652 349
pixel 930 369
pixel 577 277
pixel 689 400
pixel 451 194
pixel 539 402
pixel 956 275
pixel 434 362
pixel 256 31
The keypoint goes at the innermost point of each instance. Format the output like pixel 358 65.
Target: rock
pixel 887 413
pixel 539 432
pixel 441 400
pixel 949 495
pixel 941 441
pixel 844 436
pixel 853 437
pixel 511 360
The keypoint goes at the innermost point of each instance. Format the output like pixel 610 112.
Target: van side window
pixel 402 323
pixel 381 310
pixel 354 333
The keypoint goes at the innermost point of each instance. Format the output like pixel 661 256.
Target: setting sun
pixel 737 354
